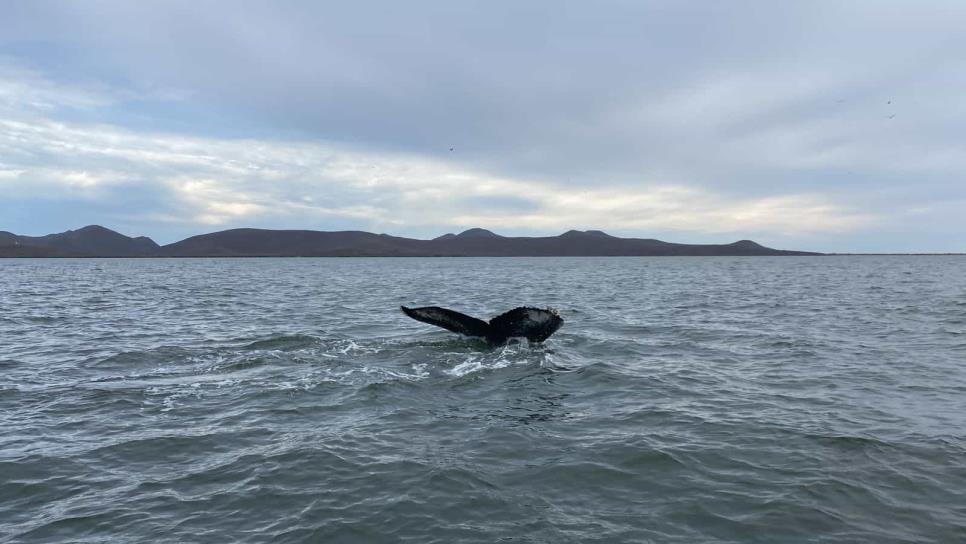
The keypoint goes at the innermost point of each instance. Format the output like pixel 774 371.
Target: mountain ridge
pixel 99 241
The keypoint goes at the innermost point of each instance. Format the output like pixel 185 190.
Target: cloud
pixel 668 208
pixel 25 89
pixel 222 182
pixel 782 122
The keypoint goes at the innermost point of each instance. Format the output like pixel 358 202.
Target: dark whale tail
pixel 534 324
pixel 449 320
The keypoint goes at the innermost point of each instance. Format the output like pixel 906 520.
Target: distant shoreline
pixel 390 256
pixel 464 256
pixel 894 254
pixel 97 241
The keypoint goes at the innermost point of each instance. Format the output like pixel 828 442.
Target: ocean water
pixel 795 399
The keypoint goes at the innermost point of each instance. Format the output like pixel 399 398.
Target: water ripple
pixel 685 400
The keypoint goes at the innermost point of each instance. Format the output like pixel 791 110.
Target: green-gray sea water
pixel 796 399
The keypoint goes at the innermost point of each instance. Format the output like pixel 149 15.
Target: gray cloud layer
pixel 822 125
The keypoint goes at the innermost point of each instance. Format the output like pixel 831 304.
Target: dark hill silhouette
pixel 90 241
pixel 10 247
pixel 101 242
pixel 478 233
pixel 304 243
pixel 590 243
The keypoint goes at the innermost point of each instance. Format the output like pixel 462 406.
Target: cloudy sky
pixel 831 126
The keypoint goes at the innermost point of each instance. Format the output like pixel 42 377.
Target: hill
pixel 97 241
pixel 90 241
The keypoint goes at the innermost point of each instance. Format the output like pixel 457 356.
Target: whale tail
pixel 534 324
pixel 449 319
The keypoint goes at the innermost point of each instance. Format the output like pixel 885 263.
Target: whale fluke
pixel 534 324
pixel 449 319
